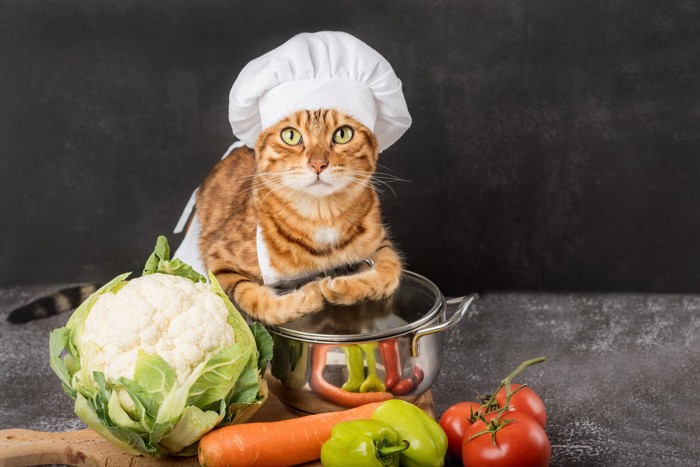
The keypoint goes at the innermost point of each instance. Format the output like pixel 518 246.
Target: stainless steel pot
pixel 346 356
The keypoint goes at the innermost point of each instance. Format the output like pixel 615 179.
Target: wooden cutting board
pixel 19 448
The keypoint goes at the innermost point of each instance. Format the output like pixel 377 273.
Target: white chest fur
pixel 326 235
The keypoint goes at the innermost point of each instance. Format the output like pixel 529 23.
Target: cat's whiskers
pixel 258 184
pixel 273 181
pixel 380 178
pixel 363 178
pixel 259 180
pixel 386 168
pixel 274 188
pixel 264 174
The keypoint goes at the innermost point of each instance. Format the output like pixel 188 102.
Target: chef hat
pixel 319 70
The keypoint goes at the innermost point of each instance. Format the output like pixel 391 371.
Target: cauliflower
pixel 155 363
pixel 182 321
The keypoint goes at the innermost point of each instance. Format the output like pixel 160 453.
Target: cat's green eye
pixel 342 135
pixel 291 136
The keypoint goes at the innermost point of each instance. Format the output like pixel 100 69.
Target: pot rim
pixel 408 328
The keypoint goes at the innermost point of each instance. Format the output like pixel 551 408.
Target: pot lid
pixel 416 302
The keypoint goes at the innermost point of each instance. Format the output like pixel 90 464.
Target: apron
pixel 188 251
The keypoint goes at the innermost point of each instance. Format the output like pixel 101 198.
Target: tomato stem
pixel 524 365
pixel 492 427
pixel 506 382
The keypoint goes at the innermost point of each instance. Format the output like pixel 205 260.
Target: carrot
pixel 288 442
pixel 333 393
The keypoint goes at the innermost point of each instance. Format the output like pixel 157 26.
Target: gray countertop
pixel 620 382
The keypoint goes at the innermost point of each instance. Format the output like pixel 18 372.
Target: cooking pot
pixel 345 356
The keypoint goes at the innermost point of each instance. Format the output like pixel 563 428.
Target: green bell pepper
pixel 362 443
pixel 428 443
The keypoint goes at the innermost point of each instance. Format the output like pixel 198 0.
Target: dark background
pixel 554 144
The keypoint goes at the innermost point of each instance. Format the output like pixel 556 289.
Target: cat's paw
pixel 265 305
pixel 348 290
pixel 344 290
pixel 306 300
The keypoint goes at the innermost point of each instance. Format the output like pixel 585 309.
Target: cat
pixel 304 193
pixel 307 187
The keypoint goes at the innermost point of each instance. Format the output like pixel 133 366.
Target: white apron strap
pixel 269 275
pixel 188 251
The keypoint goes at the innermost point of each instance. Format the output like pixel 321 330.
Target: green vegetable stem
pixel 363 443
pixel 427 441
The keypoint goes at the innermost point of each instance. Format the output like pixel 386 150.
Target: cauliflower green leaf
pixel 219 375
pixel 193 424
pixel 263 342
pixel 154 375
pixel 160 262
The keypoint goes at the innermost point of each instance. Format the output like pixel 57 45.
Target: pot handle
pixel 464 303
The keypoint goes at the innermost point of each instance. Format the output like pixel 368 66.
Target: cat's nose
pixel 318 165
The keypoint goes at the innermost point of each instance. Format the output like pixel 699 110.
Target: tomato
pixel 520 442
pixel 525 400
pixel 454 423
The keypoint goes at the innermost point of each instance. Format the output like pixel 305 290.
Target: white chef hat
pixel 319 70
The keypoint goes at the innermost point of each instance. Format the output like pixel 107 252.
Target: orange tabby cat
pixel 306 192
